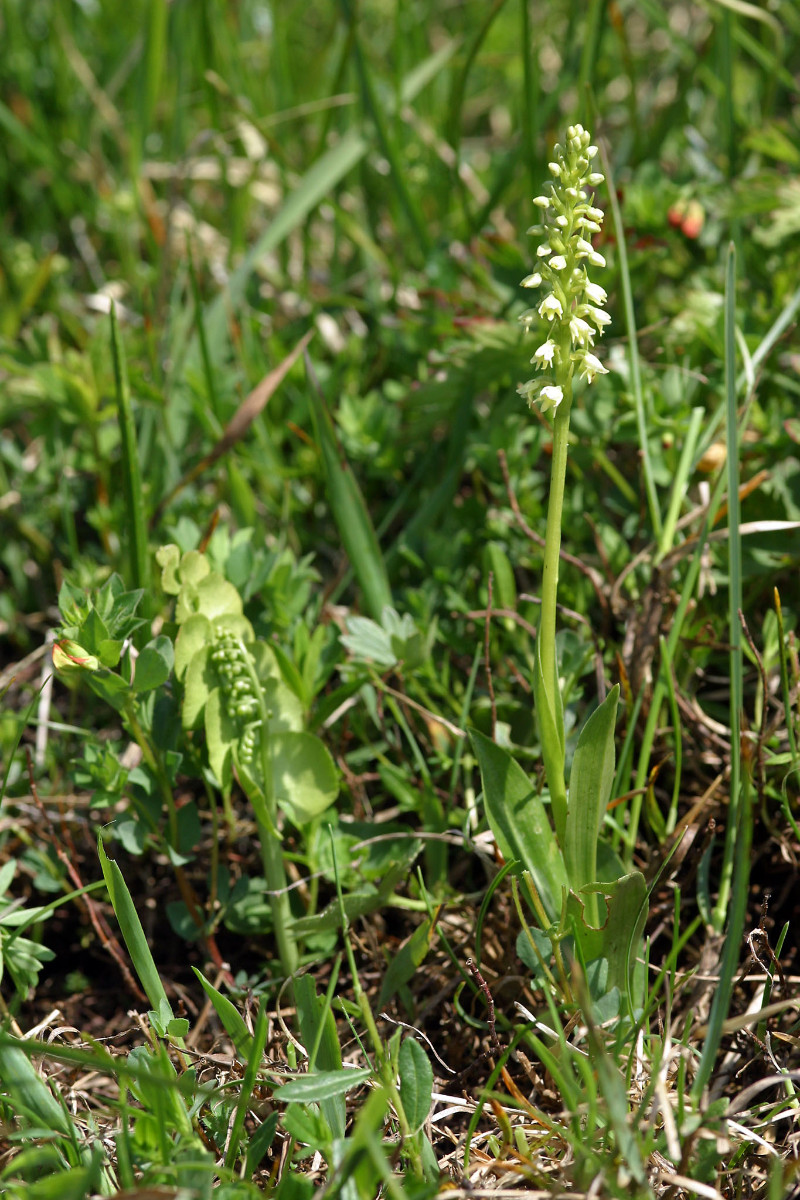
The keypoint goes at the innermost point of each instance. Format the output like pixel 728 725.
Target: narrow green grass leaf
pixel 614 1095
pixel 387 144
pixel 687 461
pixel 666 676
pixel 319 182
pixel 232 1020
pixel 136 521
pixel 735 872
pixel 458 92
pixel 350 511
pixel 403 966
pixel 734 591
pixel 153 67
pixel 318 1030
pixel 29 1094
pixel 133 933
pixel 633 349
pixel 253 1063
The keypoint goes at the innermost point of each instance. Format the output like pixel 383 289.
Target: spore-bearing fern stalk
pixel 573 310
pixel 243 698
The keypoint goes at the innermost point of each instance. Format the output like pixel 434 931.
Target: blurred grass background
pixel 232 175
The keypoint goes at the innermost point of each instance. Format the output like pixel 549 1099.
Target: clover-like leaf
pixel 305 778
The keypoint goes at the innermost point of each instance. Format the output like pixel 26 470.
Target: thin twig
pixel 484 987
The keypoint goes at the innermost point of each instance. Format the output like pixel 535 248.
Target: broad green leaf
pixel 308 1126
pixel 168 558
pixel 617 939
pixel 416 1083
pixel 284 707
pixel 232 1020
pixel 213 596
pixel 111 688
pixel 305 777
pixel 194 567
pixel 194 635
pixel 198 682
pixel 369 641
pixel 222 732
pixel 7 872
pixel 154 665
pixel 589 792
pixel 519 821
pixel 322 1085
pixel 199 631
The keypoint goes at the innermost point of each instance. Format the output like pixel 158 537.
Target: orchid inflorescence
pixel 573 307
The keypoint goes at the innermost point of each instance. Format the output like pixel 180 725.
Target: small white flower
pixel 582 333
pixel 595 293
pixel 551 396
pixel 595 179
pixel 591 366
pixel 543 250
pixel 599 317
pixel 528 317
pixel 541 201
pixel 543 357
pixel 585 249
pixel 550 308
pixel 555 169
pixel 594 214
pixel 562 222
pixel 589 226
pixel 534 281
pixel 558 262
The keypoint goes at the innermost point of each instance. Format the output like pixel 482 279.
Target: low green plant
pixel 576 885
pixel 253 722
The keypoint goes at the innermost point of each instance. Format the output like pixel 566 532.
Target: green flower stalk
pixel 572 309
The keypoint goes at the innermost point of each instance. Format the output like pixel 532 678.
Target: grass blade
pixel 633 348
pixel 133 933
pixel 131 475
pixel 349 510
pixel 732 831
